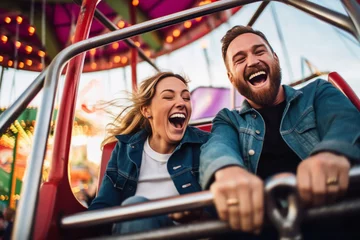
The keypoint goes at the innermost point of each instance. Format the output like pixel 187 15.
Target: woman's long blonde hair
pixel 130 119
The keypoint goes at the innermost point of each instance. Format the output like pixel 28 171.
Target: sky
pixel 327 48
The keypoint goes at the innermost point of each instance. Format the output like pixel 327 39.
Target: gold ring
pixel 232 202
pixel 332 181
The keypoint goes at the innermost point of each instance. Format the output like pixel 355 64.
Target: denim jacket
pixel 317 118
pixel 122 173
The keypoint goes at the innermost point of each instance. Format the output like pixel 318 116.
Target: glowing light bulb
pixel 41 53
pixel 19 19
pixel 187 24
pixel 124 60
pixel 31 30
pixel 176 33
pixel 92 52
pixel 28 49
pixel 17 44
pixel 93 65
pixel 1 58
pixel 21 65
pixel 137 44
pixel 7 20
pixel 10 63
pixel 121 24
pixel 135 3
pixel 28 62
pixel 4 38
pixel 117 59
pixel 198 19
pixel 169 39
pixel 115 45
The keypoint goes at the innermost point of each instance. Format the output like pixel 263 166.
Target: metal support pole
pixel 134 54
pixel 12 175
pixel 1 79
pixel 257 13
pixel 353 9
pixel 25 214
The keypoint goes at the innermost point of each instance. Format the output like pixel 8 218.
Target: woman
pixel 157 153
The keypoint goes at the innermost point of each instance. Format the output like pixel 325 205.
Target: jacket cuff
pixel 348 150
pixel 213 167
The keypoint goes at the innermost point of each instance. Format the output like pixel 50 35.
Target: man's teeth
pixel 178 115
pixel 256 74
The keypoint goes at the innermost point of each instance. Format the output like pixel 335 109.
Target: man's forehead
pixel 245 42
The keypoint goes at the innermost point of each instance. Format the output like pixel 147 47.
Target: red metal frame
pixel 55 194
pixel 342 85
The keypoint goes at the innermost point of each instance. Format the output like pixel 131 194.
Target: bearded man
pixel 313 132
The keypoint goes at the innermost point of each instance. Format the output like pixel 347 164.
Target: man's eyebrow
pixel 258 46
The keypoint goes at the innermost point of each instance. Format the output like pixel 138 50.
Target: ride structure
pixel 41 208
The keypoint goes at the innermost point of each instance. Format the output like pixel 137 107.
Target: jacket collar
pixel 290 95
pixel 190 136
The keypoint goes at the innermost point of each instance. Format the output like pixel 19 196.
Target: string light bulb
pixel 19 19
pixel 10 63
pixel 169 39
pixel 124 60
pixel 21 65
pixel 1 58
pixel 28 49
pixel 31 30
pixel 41 53
pixel 121 24
pixel 93 65
pixel 176 33
pixel 135 3
pixel 7 20
pixel 117 59
pixel 115 45
pixel 92 52
pixel 187 24
pixel 28 62
pixel 4 38
pixel 17 44
pixel 137 44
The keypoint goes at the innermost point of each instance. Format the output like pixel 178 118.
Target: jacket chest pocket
pixel 116 179
pixel 306 131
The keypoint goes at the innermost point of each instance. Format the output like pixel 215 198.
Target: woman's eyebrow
pixel 169 90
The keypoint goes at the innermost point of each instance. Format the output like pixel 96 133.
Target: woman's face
pixel 170 111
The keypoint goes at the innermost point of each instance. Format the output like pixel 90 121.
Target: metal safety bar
pixel 29 193
pixel 163 206
pixel 112 27
pixel 353 9
pixel 14 111
pixel 213 228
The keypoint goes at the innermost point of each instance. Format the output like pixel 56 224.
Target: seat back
pixel 108 148
pixel 335 79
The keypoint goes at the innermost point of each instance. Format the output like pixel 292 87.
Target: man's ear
pixel 230 76
pixel 145 111
pixel 276 56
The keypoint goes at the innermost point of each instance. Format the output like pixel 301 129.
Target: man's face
pixel 254 69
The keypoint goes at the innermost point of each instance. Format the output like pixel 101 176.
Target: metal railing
pixel 27 204
pixel 205 198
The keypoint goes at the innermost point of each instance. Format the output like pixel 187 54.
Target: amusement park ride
pixel 50 210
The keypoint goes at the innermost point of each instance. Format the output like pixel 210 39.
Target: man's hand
pixel 322 178
pixel 239 198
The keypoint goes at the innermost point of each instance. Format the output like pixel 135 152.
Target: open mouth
pixel 177 120
pixel 258 78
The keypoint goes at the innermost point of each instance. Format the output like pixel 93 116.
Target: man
pixel 313 132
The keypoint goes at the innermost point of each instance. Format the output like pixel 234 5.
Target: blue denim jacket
pixel 122 173
pixel 316 118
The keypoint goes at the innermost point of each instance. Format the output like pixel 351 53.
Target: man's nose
pixel 252 60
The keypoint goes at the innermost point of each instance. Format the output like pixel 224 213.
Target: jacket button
pixel 251 152
pixel 253 115
pixel 257 132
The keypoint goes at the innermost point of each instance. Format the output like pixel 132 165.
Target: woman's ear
pixel 145 111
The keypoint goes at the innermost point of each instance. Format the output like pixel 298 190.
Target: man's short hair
pixel 234 33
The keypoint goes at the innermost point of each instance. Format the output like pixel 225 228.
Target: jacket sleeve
pixel 222 149
pixel 108 195
pixel 338 122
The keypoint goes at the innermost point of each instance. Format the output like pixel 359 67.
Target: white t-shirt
pixel 154 179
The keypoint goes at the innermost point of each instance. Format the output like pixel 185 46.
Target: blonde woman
pixel 157 153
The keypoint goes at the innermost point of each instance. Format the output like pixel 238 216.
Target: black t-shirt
pixel 276 155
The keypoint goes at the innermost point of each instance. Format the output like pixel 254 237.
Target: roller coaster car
pixel 59 197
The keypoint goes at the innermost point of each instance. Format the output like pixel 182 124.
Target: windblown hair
pixel 130 119
pixel 233 33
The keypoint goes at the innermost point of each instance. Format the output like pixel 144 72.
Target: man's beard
pixel 265 97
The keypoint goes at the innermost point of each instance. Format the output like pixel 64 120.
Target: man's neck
pixel 280 97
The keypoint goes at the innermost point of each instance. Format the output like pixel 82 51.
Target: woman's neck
pixel 160 146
